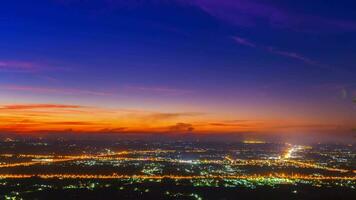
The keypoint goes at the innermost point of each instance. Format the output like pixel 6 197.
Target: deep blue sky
pixel 241 59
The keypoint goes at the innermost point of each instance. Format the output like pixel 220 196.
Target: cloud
pixel 167 116
pixel 28 123
pixel 181 127
pixel 112 130
pixel 72 123
pixel 18 66
pixel 232 125
pixel 246 13
pixel 238 12
pixel 273 50
pixel 344 91
pixel 308 126
pixel 48 90
pixel 251 13
pixel 76 118
pixel 37 106
pixel 292 55
pixel 239 123
pixel 27 66
pixel 157 90
pixel 243 41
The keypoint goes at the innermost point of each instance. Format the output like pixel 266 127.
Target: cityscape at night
pixel 177 99
pixel 169 169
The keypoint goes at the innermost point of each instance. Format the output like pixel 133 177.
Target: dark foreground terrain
pixel 166 189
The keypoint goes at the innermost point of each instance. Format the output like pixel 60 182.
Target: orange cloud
pixel 181 127
pixel 80 119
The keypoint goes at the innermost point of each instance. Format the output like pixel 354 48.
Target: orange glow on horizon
pixel 31 118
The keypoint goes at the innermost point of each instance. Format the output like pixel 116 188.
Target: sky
pixel 178 66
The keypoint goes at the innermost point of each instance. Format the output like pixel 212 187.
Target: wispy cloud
pixel 165 91
pixel 345 91
pixel 18 66
pixel 36 106
pixel 243 41
pixel 252 12
pixel 52 117
pixel 49 90
pixel 308 126
pixel 239 123
pixel 157 90
pixel 74 123
pixel 273 50
pixel 28 66
pixel 246 13
pixel 165 116
pixel 292 55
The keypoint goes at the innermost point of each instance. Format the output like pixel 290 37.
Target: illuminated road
pixel 160 177
pixel 284 161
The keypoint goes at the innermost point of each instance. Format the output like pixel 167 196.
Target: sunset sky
pixel 177 66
